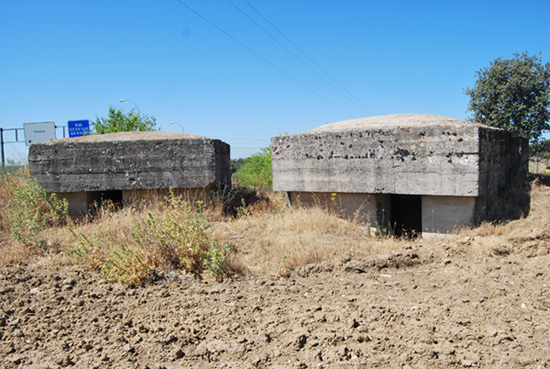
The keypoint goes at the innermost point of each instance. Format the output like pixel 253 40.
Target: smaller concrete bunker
pixel 124 166
pixel 414 173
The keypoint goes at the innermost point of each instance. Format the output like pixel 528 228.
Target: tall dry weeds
pixel 529 236
pixel 26 210
pixel 276 240
pixel 265 237
pixel 136 245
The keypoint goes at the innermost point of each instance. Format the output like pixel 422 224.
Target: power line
pixel 260 56
pixel 357 102
pixel 354 101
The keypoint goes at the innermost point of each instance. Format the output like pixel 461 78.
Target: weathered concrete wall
pixel 408 159
pixel 371 208
pixel 466 173
pixel 130 161
pixel 445 214
pixel 503 169
pixel 89 168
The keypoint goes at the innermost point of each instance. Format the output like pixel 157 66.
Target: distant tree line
pixel 542 148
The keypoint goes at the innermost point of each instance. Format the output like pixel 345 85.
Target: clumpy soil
pixel 415 308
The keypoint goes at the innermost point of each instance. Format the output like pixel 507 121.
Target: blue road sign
pixel 79 128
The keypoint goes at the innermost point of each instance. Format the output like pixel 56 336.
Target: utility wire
pixel 356 101
pixel 260 56
pixel 291 52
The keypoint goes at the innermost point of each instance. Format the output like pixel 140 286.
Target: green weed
pixel 29 209
pixel 215 260
pixel 177 237
pixel 381 231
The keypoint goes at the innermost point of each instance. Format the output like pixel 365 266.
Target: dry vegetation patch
pixel 160 237
pixel 478 298
pixel 529 236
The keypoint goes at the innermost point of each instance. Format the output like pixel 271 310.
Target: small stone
pixel 429 339
pixel 491 331
pixel 66 361
pixel 179 354
pixel 301 341
pixel 69 282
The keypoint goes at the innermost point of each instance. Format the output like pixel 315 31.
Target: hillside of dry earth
pixel 458 312
pixel 478 299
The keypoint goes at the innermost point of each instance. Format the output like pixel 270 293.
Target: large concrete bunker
pixel 414 173
pixel 122 166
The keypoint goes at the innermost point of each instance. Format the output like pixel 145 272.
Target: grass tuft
pixel 27 209
pixel 243 231
pixel 137 247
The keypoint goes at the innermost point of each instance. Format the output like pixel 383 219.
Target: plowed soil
pixel 471 300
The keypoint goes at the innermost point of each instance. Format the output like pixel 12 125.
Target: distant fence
pixel 15 135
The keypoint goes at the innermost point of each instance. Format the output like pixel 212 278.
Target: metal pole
pixel 2 144
pixel 137 107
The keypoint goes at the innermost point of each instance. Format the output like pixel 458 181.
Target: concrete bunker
pixel 126 166
pixel 412 173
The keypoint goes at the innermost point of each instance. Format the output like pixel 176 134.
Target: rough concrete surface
pixel 389 154
pixel 409 154
pixel 125 166
pixel 130 161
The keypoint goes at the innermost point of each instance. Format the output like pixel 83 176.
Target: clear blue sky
pixel 66 60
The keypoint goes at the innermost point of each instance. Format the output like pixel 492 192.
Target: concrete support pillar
pixel 445 214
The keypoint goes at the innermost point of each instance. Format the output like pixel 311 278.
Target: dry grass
pixel 135 246
pixel 26 213
pixel 268 237
pixel 529 236
pixel 274 241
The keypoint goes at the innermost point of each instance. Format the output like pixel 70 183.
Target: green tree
pixel 255 172
pixel 117 121
pixel 513 94
pixel 542 147
pixel 236 164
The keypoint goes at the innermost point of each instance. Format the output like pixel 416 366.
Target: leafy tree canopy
pixel 255 172
pixel 513 94
pixel 542 147
pixel 117 121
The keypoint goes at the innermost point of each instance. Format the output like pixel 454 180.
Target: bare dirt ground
pixel 477 299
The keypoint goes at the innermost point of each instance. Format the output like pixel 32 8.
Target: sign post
pixel 38 132
pixel 79 128
pixel 2 145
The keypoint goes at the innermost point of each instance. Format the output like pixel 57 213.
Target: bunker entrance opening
pixel 406 215
pixel 101 198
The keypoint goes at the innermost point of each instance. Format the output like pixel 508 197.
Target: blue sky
pixel 64 60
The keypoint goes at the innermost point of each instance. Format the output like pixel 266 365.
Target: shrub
pixel 29 209
pixel 255 172
pixel 117 121
pixel 175 238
